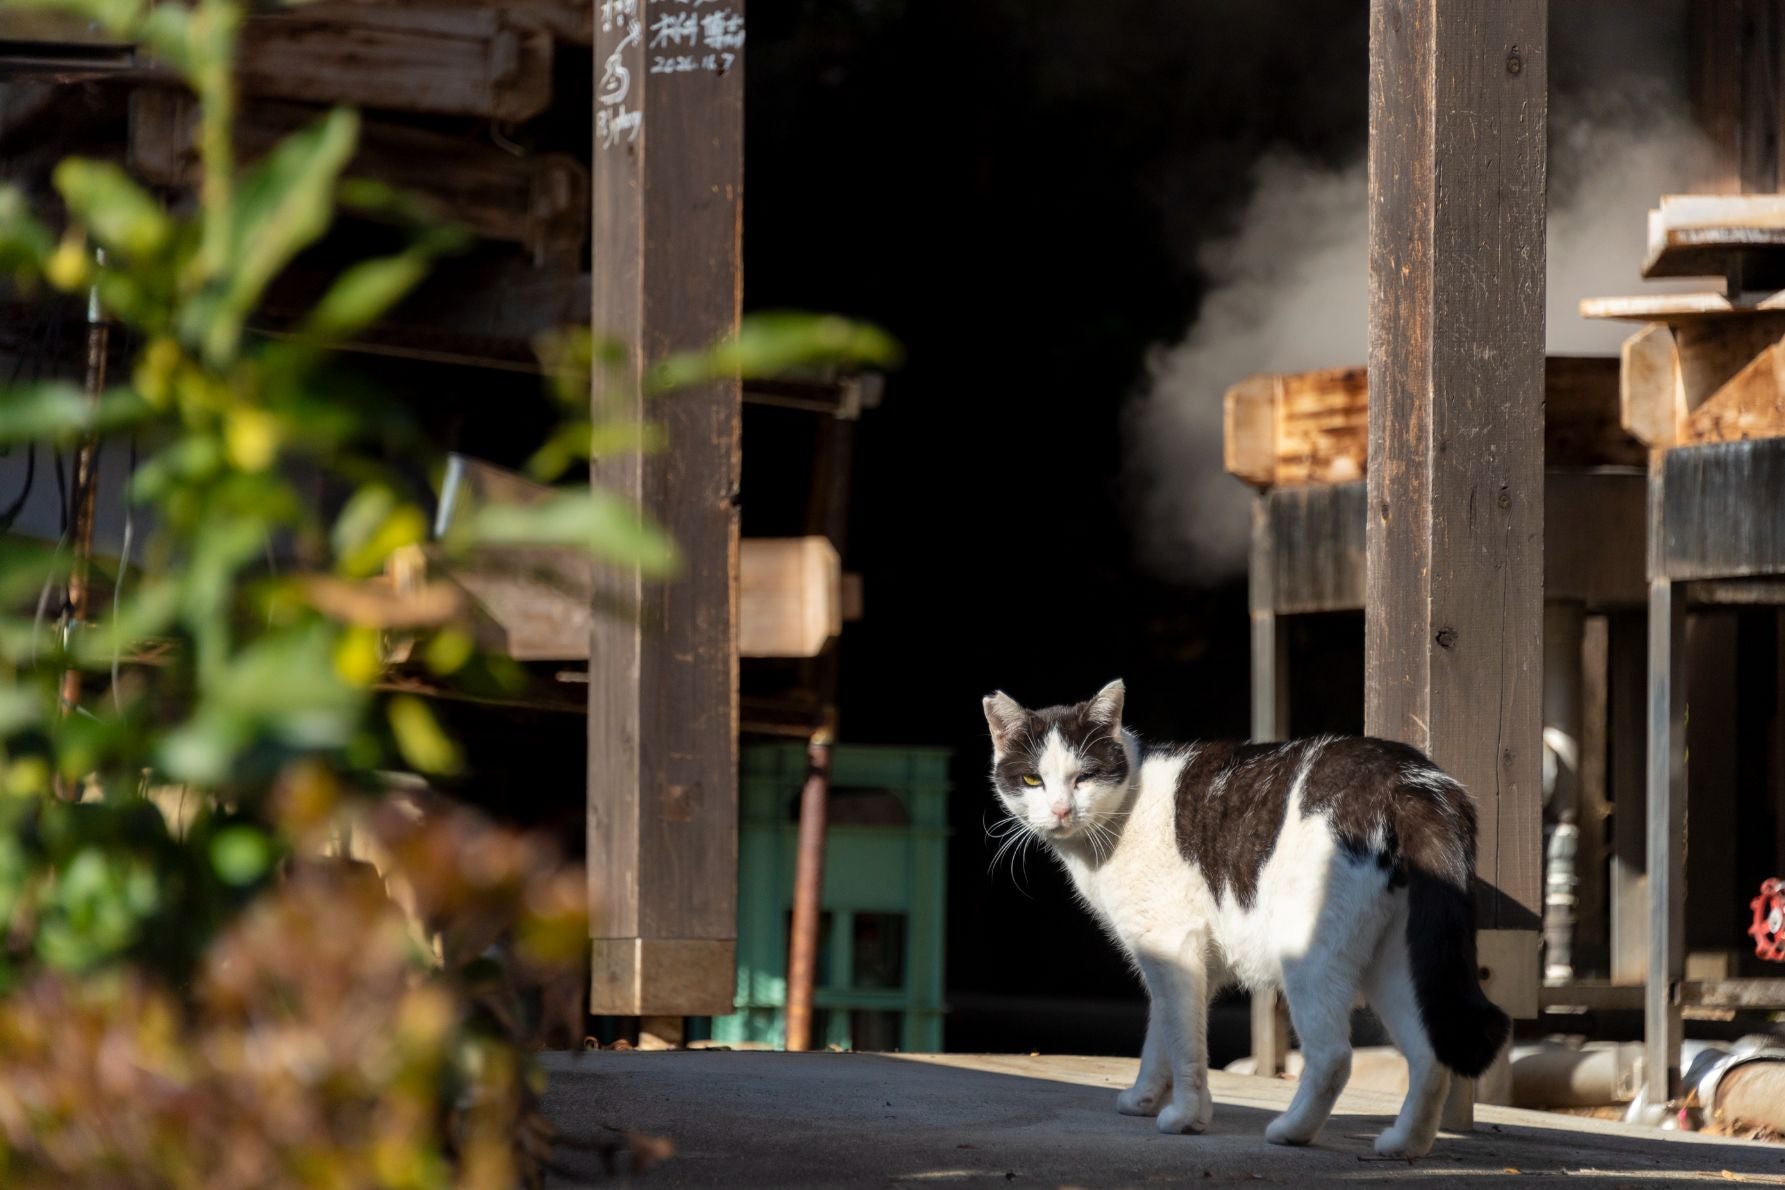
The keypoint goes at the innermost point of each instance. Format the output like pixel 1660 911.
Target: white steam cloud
pixel 1288 291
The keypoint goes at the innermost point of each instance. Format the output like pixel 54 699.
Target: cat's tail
pixel 1436 830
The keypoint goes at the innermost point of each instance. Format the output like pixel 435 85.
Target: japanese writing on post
pixel 695 35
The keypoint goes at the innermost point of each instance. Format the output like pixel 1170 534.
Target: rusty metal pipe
pixel 1752 1095
pixel 808 889
pixel 84 494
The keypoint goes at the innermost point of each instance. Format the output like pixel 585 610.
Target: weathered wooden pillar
pixel 1454 609
pixel 1662 1031
pixel 1270 721
pixel 667 179
pixel 1629 822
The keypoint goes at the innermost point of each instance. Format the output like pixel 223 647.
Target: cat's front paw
pixel 1179 1118
pixel 1141 1101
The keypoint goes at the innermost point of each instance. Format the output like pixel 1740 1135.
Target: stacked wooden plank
pixel 437 83
pixel 1705 367
pixel 1294 429
pixel 538 201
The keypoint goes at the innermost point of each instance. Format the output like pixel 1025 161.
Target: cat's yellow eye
pixel 1031 780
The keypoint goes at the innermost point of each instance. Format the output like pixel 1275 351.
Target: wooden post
pixel 667 181
pixel 1734 57
pixel 1592 921
pixel 1270 721
pixel 1662 1032
pixel 1629 815
pixel 1458 121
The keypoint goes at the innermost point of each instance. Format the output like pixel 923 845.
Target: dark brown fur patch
pixel 1389 805
pixel 1230 804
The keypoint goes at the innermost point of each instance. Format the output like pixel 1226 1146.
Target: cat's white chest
pixel 1143 891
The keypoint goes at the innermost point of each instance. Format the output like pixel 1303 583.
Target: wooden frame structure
pixel 656 198
pixel 1702 388
pixel 1309 545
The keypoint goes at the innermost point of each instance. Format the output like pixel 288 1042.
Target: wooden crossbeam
pixel 456 59
pixel 1703 380
pixel 1289 429
pixel 538 201
pixel 1703 235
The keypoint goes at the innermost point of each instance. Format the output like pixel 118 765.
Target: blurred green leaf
pixel 419 737
pixel 20 707
pixel 167 32
pixel 281 207
pixel 24 241
pixel 26 566
pixel 94 909
pixel 117 212
pixel 364 293
pixel 241 854
pixel 56 411
pixel 374 524
pixel 202 749
pixel 768 345
pixel 602 522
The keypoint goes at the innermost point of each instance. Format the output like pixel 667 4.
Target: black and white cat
pixel 1331 868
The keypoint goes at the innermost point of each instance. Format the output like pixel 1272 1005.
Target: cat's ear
pixel 1106 708
pixel 1005 716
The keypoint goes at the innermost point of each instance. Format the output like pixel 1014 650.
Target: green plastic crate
pixel 885 884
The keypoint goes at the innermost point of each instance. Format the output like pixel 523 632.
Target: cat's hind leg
pixel 1320 996
pixel 1389 988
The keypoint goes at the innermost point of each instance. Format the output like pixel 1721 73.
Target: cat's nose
pixel 1061 812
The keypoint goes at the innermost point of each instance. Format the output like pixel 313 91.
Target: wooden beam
pixel 1459 93
pixel 1249 430
pixel 1270 721
pixel 663 700
pixel 1580 415
pixel 538 201
pixel 1665 853
pixel 1456 371
pixel 568 20
pixel 1670 369
pixel 1677 307
pixel 1733 63
pixel 1750 405
pixel 1285 429
pixel 1724 236
pixel 1592 923
pixel 1629 823
pixel 448 59
pixel 1719 511
pixel 790 600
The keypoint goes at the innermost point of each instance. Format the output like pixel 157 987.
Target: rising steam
pixel 1288 288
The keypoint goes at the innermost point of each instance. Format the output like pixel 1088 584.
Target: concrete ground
pixel 784 1120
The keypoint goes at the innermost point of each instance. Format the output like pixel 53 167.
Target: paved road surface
pixel 792 1120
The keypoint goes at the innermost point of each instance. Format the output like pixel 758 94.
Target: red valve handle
pixel 1769 921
